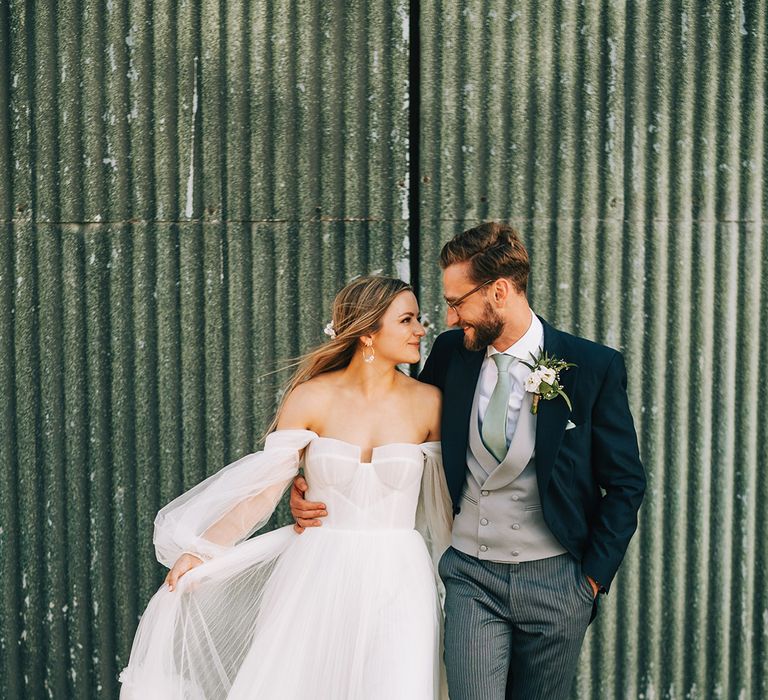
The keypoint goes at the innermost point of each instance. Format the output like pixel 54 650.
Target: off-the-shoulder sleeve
pixel 232 504
pixel 434 516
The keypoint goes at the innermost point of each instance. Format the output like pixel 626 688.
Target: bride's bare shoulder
pixel 421 392
pixel 426 403
pixel 322 385
pixel 307 401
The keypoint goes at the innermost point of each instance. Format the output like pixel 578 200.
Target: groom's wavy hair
pixel 492 250
pixel 357 311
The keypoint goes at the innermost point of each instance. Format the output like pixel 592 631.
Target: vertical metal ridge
pixel 116 161
pixel 542 245
pixel 353 94
pixel 21 43
pixel 92 59
pixel 304 19
pixel 97 340
pixel 188 113
pixel 331 120
pixel 620 638
pixel 759 667
pixel 680 319
pixel 53 520
pixel 69 111
pixel 44 43
pixel 568 163
pixel 139 39
pixel 122 474
pixel 166 238
pixel 216 356
pixel 414 180
pixel 164 110
pixel 239 310
pixel 192 341
pixel 7 120
pixel 265 353
pixel 754 547
pixel 213 156
pixel 76 609
pixel 723 437
pixel 11 661
pixel 26 363
pixel 587 276
pixel 237 112
pixel 145 348
pixel 733 31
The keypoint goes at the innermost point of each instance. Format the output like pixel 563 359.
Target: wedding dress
pixel 347 610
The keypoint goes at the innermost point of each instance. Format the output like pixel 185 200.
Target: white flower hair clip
pixel 329 329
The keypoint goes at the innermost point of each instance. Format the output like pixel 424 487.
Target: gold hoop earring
pixel 368 358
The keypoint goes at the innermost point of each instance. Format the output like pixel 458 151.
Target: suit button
pixel 483 493
pixel 515 553
pixel 516 526
pixel 483 522
pixel 515 497
pixel 483 548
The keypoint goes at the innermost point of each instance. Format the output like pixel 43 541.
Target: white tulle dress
pixel 347 610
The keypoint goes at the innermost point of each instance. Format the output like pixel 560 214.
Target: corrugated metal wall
pixel 627 141
pixel 184 185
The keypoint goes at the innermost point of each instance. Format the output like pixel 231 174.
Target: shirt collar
pixel 530 343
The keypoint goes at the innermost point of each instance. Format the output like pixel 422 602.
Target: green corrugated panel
pixel 627 142
pixel 183 187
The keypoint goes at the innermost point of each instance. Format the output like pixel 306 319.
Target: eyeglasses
pixel 457 302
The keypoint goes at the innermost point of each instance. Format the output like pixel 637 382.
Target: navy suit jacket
pixel 590 477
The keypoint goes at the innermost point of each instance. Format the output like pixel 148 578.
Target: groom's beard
pixel 486 330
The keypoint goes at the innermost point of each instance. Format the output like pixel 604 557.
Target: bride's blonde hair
pixel 357 311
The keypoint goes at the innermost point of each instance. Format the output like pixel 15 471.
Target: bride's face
pixel 398 338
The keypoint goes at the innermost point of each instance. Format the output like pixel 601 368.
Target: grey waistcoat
pixel 500 518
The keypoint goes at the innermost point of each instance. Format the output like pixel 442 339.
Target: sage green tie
pixel 494 429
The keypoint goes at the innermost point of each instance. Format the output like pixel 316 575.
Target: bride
pixel 349 610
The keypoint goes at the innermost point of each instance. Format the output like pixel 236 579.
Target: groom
pixel 545 503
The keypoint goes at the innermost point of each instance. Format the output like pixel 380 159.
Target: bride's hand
pixel 184 563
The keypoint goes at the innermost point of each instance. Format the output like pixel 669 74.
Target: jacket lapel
pixel 459 394
pixel 553 414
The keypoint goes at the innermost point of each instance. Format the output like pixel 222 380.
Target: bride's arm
pixel 434 406
pixel 231 505
pixel 301 408
pixel 228 530
pixel 295 414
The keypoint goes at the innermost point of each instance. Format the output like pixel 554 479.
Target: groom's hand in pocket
pixel 595 586
pixel 304 512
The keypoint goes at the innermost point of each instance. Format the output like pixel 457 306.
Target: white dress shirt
pixel 532 341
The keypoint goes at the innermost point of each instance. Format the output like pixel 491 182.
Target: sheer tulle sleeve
pixel 434 515
pixel 232 504
pixel 434 520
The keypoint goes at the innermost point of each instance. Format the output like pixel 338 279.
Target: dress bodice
pixel 380 494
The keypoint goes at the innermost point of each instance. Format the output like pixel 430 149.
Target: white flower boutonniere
pixel 544 380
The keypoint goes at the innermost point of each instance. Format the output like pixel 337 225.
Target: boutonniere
pixel 544 380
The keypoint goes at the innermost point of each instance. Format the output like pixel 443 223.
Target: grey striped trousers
pixel 513 630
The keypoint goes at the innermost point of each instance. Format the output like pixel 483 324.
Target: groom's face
pixel 473 313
